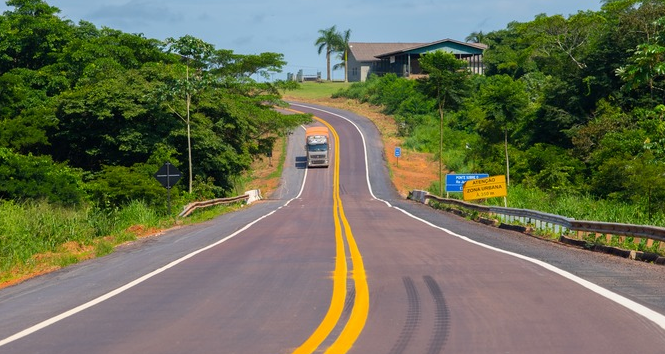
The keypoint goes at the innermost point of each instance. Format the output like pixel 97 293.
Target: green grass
pixel 317 90
pixel 30 228
pixel 36 227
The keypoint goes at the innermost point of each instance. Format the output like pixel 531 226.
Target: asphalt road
pixel 340 264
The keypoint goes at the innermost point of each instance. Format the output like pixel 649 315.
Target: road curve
pixel 264 280
pixel 436 291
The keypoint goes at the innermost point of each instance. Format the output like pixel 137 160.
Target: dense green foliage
pixel 568 106
pixel 38 177
pixel 90 114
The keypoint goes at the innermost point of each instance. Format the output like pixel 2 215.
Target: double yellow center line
pixel 358 317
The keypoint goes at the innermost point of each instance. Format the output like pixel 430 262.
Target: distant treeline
pixel 88 115
pixel 568 105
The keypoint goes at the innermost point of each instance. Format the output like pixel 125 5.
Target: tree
pixel 26 113
pixel 195 52
pixel 504 102
pixel 571 36
pixel 262 64
pixel 634 20
pixel 328 41
pixel 38 177
pixel 130 51
pixel 108 119
pixel 476 37
pixel 508 53
pixel 343 50
pixel 647 64
pixel 31 34
pixel 105 116
pixel 447 83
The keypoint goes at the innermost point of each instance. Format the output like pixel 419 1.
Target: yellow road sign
pixel 482 188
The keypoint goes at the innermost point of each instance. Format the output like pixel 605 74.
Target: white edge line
pixel 642 310
pixel 302 186
pixel 100 299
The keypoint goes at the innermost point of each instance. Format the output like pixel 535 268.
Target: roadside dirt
pixel 262 174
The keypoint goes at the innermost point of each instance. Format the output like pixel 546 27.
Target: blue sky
pixel 291 27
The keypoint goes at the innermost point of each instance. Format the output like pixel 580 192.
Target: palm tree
pixel 475 37
pixel 344 49
pixel 341 65
pixel 329 41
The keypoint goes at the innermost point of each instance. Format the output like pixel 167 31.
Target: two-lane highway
pixel 330 265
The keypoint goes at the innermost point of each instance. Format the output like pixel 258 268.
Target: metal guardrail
pixel 538 216
pixel 548 221
pixel 189 208
pixel 249 197
pixel 644 231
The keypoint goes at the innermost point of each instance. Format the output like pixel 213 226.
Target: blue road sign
pixel 455 182
pixel 398 151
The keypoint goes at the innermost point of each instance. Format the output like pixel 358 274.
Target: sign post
pixel 168 175
pixel 484 188
pixel 398 153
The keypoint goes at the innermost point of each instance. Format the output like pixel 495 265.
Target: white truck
pixel 317 146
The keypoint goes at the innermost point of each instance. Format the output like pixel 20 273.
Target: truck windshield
pixel 318 147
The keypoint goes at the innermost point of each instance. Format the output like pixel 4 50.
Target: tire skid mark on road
pixel 412 317
pixel 441 320
pixel 346 314
pixel 350 298
pixel 342 190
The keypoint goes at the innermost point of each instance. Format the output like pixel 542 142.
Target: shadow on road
pixel 301 162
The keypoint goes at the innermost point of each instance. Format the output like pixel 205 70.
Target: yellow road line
pixel 339 276
pixel 360 310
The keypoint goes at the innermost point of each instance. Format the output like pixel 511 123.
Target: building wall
pixel 354 69
pixel 358 71
pixel 364 72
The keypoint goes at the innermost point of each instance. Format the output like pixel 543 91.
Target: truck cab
pixel 317 146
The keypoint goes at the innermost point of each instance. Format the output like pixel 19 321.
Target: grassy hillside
pixel 317 90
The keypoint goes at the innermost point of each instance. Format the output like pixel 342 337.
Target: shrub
pixel 38 177
pixel 118 185
pixel 552 168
